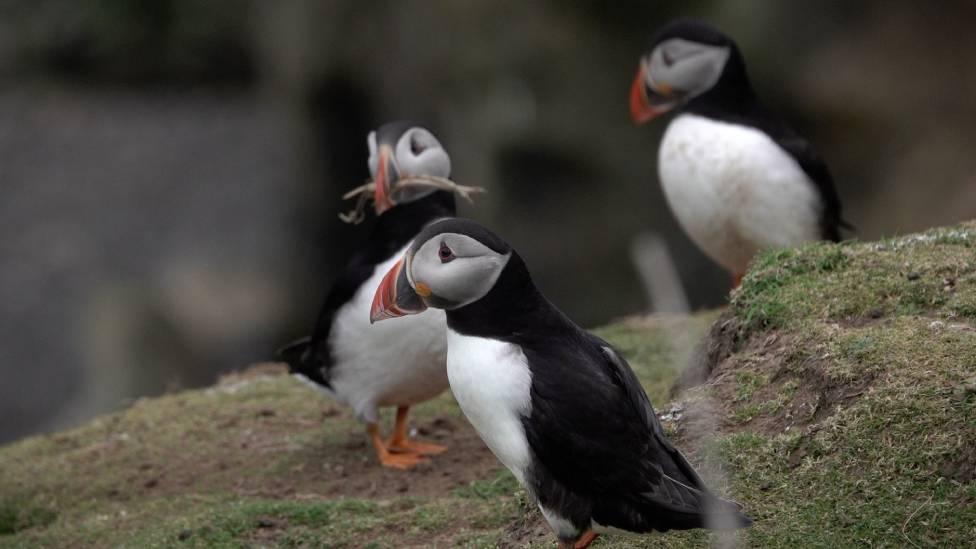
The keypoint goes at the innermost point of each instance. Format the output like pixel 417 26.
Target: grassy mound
pixel 842 381
pixel 835 399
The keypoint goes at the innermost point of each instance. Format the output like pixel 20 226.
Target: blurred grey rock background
pixel 171 170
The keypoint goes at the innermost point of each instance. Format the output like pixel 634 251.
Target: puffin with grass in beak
pixel 394 364
pixel 737 178
pixel 558 406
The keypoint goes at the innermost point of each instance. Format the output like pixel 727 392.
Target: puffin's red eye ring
pixel 445 254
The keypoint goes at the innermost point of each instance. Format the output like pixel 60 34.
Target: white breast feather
pixel 734 190
pixel 491 382
pixel 395 362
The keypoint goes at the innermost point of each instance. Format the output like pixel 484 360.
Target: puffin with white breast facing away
pixel 396 364
pixel 737 178
pixel 559 407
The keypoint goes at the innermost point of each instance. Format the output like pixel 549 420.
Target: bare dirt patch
pixel 350 468
pixel 261 451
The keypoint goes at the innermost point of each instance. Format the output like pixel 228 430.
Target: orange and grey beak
pixel 644 108
pixel 395 296
pixel 386 176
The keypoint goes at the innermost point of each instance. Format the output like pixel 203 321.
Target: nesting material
pixel 364 193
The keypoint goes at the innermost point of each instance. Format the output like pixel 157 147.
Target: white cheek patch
pixel 433 160
pixel 463 280
pixel 688 66
pixel 468 279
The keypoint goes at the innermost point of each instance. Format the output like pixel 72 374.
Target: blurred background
pixel 171 170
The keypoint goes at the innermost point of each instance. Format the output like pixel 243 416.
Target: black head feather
pixel 691 29
pixel 467 227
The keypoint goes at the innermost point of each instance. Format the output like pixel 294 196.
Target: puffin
pixel 558 406
pixel 397 364
pixel 736 177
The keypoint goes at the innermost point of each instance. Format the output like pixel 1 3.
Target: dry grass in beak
pixel 364 193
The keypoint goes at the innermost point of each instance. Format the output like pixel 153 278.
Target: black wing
pixel 311 356
pixel 816 169
pixel 597 438
pixel 395 229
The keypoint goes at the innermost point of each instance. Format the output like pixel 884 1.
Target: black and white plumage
pixel 365 366
pixel 558 406
pixel 737 178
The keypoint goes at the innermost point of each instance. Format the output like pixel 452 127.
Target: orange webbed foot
pixel 387 458
pixel 399 442
pixel 402 461
pixel 408 446
pixel 586 540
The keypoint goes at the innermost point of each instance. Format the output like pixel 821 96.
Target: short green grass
pixel 930 273
pixel 847 415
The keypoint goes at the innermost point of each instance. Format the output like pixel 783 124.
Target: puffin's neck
pixel 731 97
pixel 513 310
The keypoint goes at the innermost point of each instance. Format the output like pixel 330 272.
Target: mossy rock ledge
pixel 835 398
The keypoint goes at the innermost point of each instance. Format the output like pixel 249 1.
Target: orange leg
pixel 400 442
pixel 387 458
pixel 586 540
pixel 737 280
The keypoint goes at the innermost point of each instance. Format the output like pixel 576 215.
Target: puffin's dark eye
pixel 416 147
pixel 445 254
pixel 667 57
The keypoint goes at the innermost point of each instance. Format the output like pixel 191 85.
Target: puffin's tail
pixel 723 514
pixel 711 511
pixel 303 361
pixel 695 508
